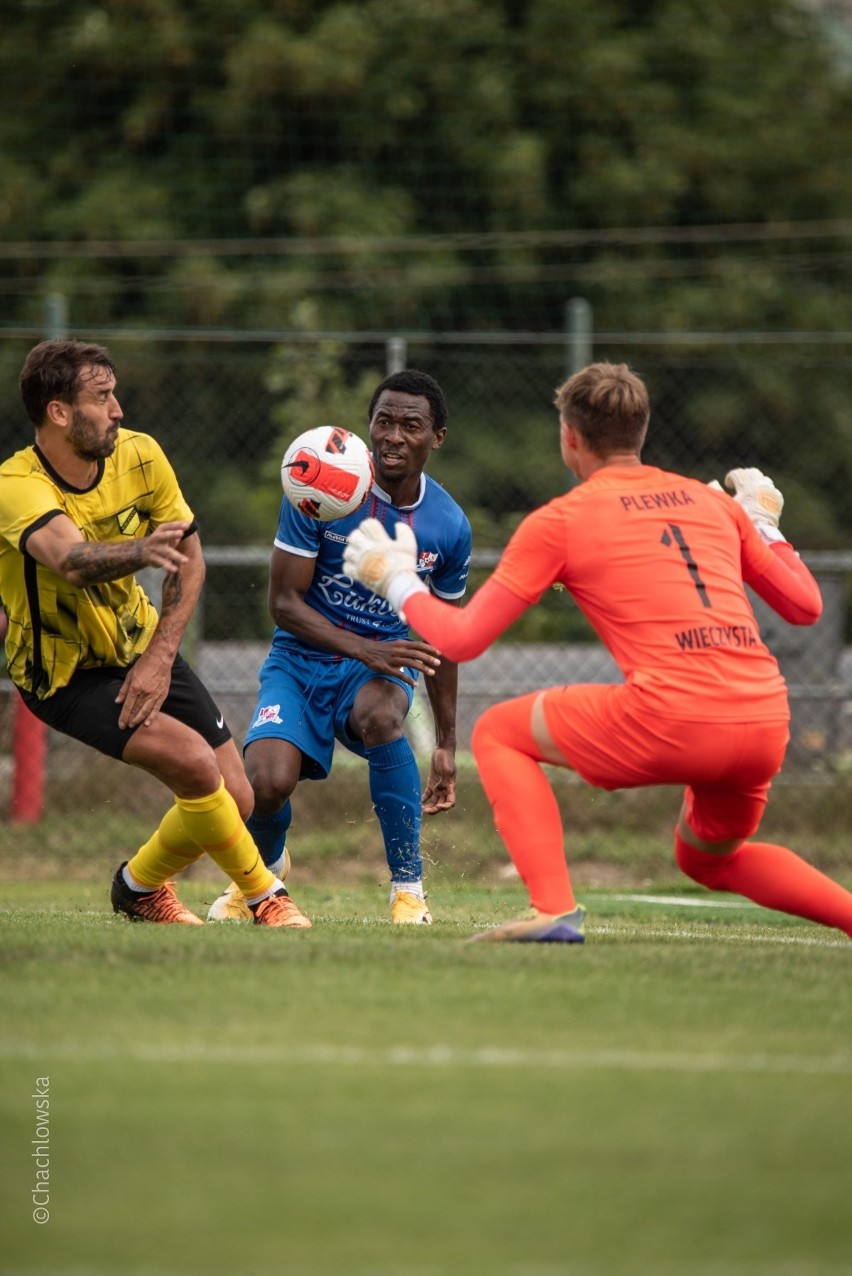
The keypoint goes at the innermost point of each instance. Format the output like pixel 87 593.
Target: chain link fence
pixel 224 404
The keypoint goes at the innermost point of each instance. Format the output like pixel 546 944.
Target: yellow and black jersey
pixel 55 627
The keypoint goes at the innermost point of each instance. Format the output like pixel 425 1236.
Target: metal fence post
pixel 396 354
pixel 578 330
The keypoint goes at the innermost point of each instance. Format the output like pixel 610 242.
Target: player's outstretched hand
pixel 160 547
pixel 387 567
pixel 757 494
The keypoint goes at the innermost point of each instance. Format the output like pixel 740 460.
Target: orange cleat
pixel 279 910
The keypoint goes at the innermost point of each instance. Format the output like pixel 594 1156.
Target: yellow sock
pixel 168 852
pixel 214 824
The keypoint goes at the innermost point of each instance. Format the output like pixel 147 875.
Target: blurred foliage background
pixel 260 174
pixel 450 164
pixel 261 208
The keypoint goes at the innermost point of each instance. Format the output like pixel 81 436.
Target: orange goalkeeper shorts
pixel 613 742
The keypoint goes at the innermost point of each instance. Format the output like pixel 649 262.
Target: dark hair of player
pixel 410 381
pixel 52 371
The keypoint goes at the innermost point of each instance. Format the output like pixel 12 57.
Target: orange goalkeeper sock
pixel 215 825
pixel 526 813
pixel 772 876
pixel 168 852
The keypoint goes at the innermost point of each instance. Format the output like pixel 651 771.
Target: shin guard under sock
pixel 215 825
pixel 395 791
pixel 166 853
pixel 270 833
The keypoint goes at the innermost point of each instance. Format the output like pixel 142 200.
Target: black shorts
pixel 86 709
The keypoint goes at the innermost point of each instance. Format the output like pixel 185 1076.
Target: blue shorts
pixel 307 700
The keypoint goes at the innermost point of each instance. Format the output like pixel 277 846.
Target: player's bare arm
pixel 147 682
pixel 440 791
pixel 290 577
pixel 60 546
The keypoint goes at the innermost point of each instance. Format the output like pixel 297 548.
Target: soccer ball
pixel 327 473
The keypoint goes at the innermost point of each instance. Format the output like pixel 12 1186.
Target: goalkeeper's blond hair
pixel 608 404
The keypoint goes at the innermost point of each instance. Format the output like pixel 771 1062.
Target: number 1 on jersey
pixel 686 553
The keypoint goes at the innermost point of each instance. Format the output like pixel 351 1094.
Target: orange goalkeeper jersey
pixel 657 562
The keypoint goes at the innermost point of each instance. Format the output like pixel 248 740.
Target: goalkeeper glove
pixel 387 567
pixel 760 499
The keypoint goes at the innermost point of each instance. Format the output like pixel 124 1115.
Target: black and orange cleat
pixel 161 905
pixel 279 910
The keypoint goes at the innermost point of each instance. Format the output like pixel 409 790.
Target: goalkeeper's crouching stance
pixel 658 564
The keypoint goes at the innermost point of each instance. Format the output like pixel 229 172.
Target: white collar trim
pixel 383 496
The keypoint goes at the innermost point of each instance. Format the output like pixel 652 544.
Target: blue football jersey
pixel 443 539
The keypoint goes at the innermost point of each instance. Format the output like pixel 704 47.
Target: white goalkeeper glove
pixel 760 499
pixel 387 567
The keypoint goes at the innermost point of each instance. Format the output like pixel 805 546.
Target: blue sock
pixel 395 790
pixel 270 832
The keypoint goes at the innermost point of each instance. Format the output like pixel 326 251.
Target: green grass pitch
pixel 675 1096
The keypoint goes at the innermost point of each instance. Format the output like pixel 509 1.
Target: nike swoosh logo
pixel 220 721
pixel 246 871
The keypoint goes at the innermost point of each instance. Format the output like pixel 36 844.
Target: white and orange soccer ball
pixel 327 473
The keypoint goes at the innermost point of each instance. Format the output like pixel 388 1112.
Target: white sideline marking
pixel 712 937
pixel 683 900
pixel 441 1056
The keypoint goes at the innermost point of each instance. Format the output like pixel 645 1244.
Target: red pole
pixel 29 748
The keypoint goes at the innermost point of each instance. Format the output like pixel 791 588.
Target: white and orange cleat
pixel 231 905
pixel 541 928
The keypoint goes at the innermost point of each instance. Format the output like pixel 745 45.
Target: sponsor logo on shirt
pixel 426 561
pixel 340 591
pixel 704 636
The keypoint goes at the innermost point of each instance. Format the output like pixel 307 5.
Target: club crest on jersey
pixel 426 561
pixel 269 713
pixel 129 521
